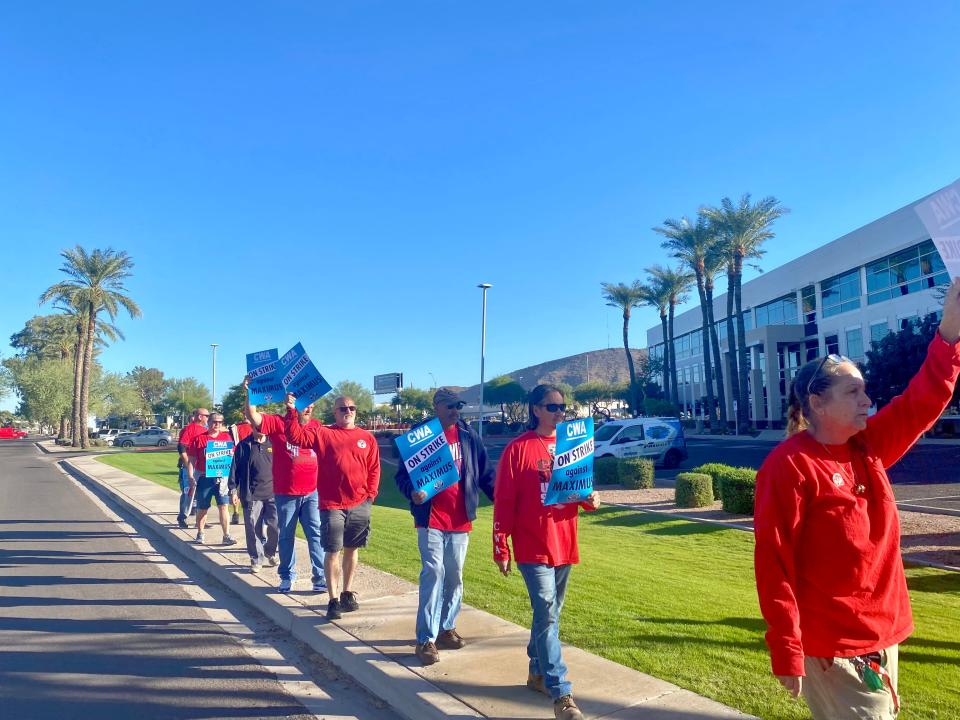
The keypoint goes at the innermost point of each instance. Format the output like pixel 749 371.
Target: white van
pixel 638 437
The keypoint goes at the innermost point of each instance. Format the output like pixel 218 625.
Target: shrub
pixel 738 491
pixel 605 471
pixel 717 472
pixel 694 490
pixel 635 473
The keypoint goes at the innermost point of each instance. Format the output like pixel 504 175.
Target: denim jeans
pixel 546 586
pixel 441 580
pixel 261 528
pixel 290 509
pixel 186 499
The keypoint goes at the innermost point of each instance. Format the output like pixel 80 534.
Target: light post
pixel 432 378
pixel 213 399
pixel 483 349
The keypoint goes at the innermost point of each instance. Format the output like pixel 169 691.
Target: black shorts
pixel 345 528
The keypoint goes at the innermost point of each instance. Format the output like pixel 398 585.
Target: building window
pixel 833 344
pixel 908 271
pixel 809 300
pixel 855 344
pixel 878 331
pixel 908 321
pixel 841 293
pixel 812 347
pixel 782 311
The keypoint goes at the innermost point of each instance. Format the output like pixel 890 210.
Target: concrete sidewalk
pixel 375 645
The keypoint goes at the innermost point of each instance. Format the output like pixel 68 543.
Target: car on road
pixel 658 439
pixel 110 434
pixel 144 438
pixel 11 433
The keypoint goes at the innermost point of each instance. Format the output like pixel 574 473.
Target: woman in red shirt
pixel 544 541
pixel 827 558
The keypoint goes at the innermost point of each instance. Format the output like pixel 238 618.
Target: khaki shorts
pixel 839 692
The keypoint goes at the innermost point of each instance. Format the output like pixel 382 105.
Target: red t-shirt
pixel 190 432
pixel 243 430
pixel 448 511
pixel 197 450
pixel 827 557
pixel 543 534
pixel 294 467
pixel 349 462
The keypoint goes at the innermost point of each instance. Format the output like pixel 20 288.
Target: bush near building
pixel 605 471
pixel 636 473
pixel 716 471
pixel 694 490
pixel 738 491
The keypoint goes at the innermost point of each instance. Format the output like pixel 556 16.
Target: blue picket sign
pixel 300 376
pixel 218 458
pixel 263 370
pixel 428 458
pixel 572 477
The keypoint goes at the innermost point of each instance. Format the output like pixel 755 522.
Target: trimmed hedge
pixel 605 471
pixel 716 471
pixel 636 473
pixel 694 490
pixel 738 491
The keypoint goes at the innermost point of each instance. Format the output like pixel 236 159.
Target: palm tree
pixel 674 283
pixel 744 228
pixel 626 297
pixel 655 295
pixel 693 244
pixel 713 263
pixel 96 286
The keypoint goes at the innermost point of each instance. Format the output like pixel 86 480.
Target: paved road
pixel 92 626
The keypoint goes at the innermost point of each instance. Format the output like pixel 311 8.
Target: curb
pixel 404 691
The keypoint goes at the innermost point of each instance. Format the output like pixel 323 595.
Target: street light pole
pixel 214 391
pixel 432 378
pixel 483 349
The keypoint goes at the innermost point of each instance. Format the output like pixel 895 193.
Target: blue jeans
pixel 441 580
pixel 186 500
pixel 304 508
pixel 546 586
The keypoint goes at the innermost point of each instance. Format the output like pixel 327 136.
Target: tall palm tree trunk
pixel 732 342
pixel 673 360
pixel 717 361
pixel 705 342
pixel 85 386
pixel 78 352
pixel 743 409
pixel 633 371
pixel 666 356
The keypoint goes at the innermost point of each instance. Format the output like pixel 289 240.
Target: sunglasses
pixel 348 408
pixel 202 415
pixel 553 407
pixel 216 422
pixel 832 357
pixel 457 405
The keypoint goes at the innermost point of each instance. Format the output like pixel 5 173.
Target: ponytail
pixel 796 420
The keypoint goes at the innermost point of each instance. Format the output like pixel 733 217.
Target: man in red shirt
pixel 348 480
pixel 205 487
pixel 443 527
pixel 295 490
pixel 197 426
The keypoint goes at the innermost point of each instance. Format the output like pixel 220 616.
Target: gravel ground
pixel 925 537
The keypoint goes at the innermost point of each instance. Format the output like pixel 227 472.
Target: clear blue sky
pixel 344 174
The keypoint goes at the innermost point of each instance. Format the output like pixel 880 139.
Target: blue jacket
pixel 476 474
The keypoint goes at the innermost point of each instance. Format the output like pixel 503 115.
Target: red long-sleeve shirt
pixel 543 534
pixel 348 462
pixel 829 572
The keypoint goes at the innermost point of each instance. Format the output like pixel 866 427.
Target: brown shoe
pixel 565 708
pixel 536 683
pixel 450 640
pixel 427 652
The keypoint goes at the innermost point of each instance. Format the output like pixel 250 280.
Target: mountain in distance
pixel 608 366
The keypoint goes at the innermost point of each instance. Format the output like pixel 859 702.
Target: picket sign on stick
pixel 940 214
pixel 300 376
pixel 572 477
pixel 428 458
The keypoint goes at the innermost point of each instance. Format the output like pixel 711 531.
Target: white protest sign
pixel 940 214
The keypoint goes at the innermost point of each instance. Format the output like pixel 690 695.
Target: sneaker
pixel 229 540
pixel 272 560
pixel 564 708
pixel 450 640
pixel 333 609
pixel 348 601
pixel 285 586
pixel 200 539
pixel 235 520
pixel 427 653
pixel 320 586
pixel 255 566
pixel 537 684
pixel 182 523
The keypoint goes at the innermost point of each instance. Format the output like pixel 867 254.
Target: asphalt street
pixel 97 624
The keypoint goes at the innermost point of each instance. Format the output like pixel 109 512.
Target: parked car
pixel 653 438
pixel 110 434
pixel 11 433
pixel 144 438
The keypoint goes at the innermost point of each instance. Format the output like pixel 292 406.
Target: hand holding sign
pixel 572 477
pixel 428 460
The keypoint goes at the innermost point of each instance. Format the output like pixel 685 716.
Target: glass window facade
pixel 841 293
pixel 812 347
pixel 908 271
pixel 809 310
pixel 833 344
pixel 782 311
pixel 855 344
pixel 878 331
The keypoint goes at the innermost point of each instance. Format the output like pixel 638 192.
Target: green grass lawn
pixel 671 598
